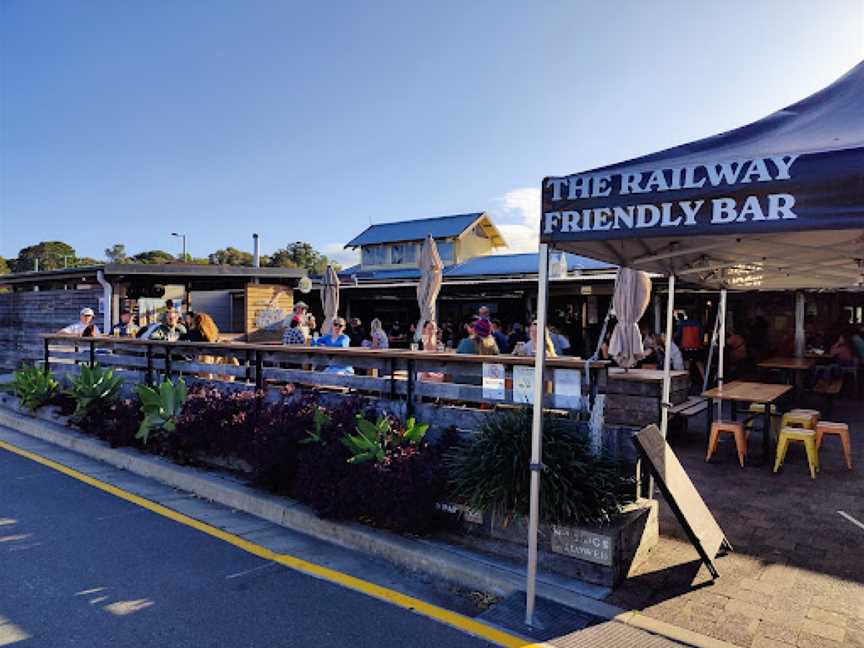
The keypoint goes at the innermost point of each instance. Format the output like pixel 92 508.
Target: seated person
pixel 85 320
pixel 676 360
pixel 294 333
pixel 125 327
pixel 170 331
pixel 336 338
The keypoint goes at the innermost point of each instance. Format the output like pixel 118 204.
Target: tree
pixel 52 255
pixel 84 261
pixel 117 254
pixel 153 256
pixel 231 256
pixel 4 267
pixel 300 255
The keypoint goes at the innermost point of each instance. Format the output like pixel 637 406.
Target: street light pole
pixel 183 237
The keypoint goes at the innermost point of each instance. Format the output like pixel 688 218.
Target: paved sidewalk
pixel 796 577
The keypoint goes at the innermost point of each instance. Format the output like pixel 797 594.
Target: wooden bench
pixel 691 407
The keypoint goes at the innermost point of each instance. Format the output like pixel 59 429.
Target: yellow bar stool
pixel 838 429
pixel 759 408
pixel 804 418
pixel 802 435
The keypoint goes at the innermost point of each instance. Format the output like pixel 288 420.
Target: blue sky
pixel 121 122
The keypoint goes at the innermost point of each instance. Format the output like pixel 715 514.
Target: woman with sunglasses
pixel 336 338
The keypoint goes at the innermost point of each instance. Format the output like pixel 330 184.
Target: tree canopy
pixel 117 254
pixel 153 256
pixel 300 255
pixel 52 255
pixel 4 266
pixel 231 256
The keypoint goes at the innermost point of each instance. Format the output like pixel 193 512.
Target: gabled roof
pixel 492 265
pixel 416 230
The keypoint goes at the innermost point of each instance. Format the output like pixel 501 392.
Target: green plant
pixel 320 421
pixel 375 440
pixel 161 407
pixel 490 472
pixel 34 386
pixel 93 385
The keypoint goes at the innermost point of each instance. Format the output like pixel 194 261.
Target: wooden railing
pixel 390 374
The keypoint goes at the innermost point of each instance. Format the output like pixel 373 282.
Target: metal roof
pixel 441 227
pixel 492 265
pixel 153 270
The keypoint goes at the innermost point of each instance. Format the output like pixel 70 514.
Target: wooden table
pixel 750 392
pixel 788 366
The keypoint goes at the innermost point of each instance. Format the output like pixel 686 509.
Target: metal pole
pixel 722 355
pixel 537 431
pixel 667 358
pixel 658 313
pixel 799 324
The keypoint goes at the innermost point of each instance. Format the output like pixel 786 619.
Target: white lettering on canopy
pixel 696 176
pixel 684 213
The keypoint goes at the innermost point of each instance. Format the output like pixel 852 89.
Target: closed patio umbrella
pixel 631 299
pixel 329 298
pixel 431 270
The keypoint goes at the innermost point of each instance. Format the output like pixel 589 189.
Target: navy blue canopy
pixel 776 204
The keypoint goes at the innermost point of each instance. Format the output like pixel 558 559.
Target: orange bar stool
pixel 802 435
pixel 728 427
pixel 837 429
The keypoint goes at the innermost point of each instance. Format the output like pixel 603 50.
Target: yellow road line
pixel 448 617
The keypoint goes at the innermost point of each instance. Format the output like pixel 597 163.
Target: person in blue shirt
pixel 336 338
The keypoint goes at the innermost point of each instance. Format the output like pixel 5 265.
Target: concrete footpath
pixel 435 569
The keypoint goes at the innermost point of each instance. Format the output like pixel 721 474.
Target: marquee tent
pixel 777 204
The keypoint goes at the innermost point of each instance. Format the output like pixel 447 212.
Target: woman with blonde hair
pixel 530 347
pixel 204 329
pixel 377 336
pixel 429 340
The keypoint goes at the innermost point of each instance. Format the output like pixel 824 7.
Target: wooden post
pixel 409 403
pixel 92 353
pixel 248 366
pixel 47 366
pixel 167 363
pixel 150 364
pixel 259 369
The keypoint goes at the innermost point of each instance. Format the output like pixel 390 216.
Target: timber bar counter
pixel 389 375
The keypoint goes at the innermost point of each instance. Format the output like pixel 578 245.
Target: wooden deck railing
pixel 390 374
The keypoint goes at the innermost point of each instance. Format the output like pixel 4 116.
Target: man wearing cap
pixel 300 310
pixel 125 327
pixel 85 319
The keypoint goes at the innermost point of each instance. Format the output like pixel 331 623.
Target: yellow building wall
pixel 471 246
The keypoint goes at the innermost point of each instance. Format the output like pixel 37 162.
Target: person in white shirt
pixel 85 319
pixel 677 360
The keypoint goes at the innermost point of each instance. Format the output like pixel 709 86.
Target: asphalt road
pixel 80 567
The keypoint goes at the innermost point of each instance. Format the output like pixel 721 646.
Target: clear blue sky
pixel 125 121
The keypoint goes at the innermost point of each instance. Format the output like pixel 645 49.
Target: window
pixel 374 255
pixel 403 253
pixel 445 251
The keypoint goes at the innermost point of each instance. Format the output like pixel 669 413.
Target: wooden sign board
pixel 689 507
pixel 267 305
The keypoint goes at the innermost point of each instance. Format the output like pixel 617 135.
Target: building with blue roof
pixel 478 271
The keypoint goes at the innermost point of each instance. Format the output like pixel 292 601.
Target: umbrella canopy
pixel 329 298
pixel 777 204
pixel 631 299
pixel 431 271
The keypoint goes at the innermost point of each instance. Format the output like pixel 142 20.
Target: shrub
pixel 34 386
pixel 490 472
pixel 379 440
pixel 161 408
pixel 91 386
pixel 115 421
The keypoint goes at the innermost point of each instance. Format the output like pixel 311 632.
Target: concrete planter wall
pixel 604 555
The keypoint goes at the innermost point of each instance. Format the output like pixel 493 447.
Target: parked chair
pixel 803 435
pixel 805 418
pixel 837 429
pixel 759 408
pixel 734 428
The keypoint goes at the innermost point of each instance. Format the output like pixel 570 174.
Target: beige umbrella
pixel 329 298
pixel 631 298
pixel 431 270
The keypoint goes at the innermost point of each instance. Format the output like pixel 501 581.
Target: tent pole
pixel 537 431
pixel 667 369
pixel 800 306
pixel 722 355
pixel 667 358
